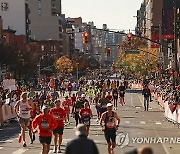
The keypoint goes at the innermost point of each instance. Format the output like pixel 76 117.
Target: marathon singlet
pixel 110 122
pixel 24 110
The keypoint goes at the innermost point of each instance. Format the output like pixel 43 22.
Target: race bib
pixel 110 124
pixel 56 116
pixel 44 124
pixel 77 110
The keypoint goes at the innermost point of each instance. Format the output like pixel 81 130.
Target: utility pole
pixel 175 37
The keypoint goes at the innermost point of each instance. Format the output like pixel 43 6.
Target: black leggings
pixel 77 118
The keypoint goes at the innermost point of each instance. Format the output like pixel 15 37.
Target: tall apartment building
pixel 45 19
pixel 15 15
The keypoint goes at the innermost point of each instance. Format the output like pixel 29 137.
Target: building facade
pixel 15 15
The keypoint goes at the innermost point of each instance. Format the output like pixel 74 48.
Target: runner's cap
pixel 109 104
pixel 44 107
pixel 83 95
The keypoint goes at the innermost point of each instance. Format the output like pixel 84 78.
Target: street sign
pixel 132 52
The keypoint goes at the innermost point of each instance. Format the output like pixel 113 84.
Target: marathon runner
pixel 66 104
pixel 122 93
pixel 111 124
pixel 103 102
pixel 46 124
pixel 115 97
pixel 23 108
pixel 76 109
pixel 60 115
pixel 86 115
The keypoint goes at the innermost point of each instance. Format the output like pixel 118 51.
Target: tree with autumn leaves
pixel 64 65
pixel 137 64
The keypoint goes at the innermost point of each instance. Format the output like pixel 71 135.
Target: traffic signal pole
pixel 175 37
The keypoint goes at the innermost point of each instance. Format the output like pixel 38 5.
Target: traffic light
pixel 129 37
pixel 85 37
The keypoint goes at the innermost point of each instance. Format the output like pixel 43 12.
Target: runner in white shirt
pixel 23 108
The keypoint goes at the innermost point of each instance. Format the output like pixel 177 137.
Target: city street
pixel 135 123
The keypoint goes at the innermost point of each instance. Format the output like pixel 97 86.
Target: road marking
pixel 7 141
pixel 127 122
pixel 131 101
pixel 158 123
pixel 142 122
pixel 1 148
pixel 165 148
pixel 20 151
pixel 141 100
pixel 138 107
pixel 96 141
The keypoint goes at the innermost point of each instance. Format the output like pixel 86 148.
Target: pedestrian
pixel 146 92
pixel 81 144
pixel 59 115
pixel 111 121
pixel 46 124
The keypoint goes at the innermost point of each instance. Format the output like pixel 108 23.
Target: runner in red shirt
pixel 45 123
pixel 60 115
pixel 109 96
pixel 86 115
pixel 66 104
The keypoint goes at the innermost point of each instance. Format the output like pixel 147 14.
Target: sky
pixel 117 14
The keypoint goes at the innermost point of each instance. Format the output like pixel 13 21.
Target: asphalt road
pixel 137 128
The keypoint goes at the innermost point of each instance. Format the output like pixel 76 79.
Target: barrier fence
pixel 171 111
pixel 7 112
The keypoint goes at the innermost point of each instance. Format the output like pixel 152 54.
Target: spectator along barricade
pixel 7 101
pixel 168 98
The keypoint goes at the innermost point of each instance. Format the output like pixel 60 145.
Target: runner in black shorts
pixel 111 121
pixel 122 93
pixel 59 114
pixel 45 139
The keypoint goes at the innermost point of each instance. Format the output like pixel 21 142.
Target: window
pixel 4 6
pixel 39 7
pixel 42 47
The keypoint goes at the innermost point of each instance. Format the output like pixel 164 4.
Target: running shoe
pixel 54 149
pixel 59 150
pixel 24 144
